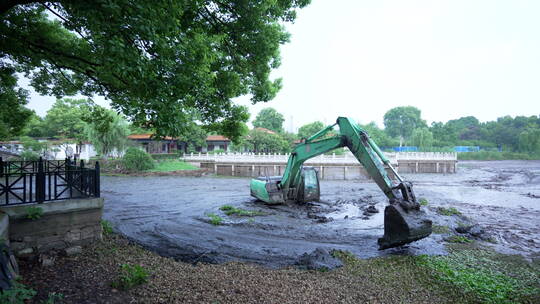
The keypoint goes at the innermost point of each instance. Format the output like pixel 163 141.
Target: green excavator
pixel 404 222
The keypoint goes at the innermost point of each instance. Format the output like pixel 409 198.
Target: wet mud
pixel 498 201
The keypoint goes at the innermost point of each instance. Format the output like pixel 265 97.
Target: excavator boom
pixel 404 222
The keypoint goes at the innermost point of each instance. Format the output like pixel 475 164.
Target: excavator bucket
pixel 403 226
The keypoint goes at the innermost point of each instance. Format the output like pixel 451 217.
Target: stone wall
pixel 326 171
pixel 62 225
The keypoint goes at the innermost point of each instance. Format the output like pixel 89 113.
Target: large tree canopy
pixel 270 119
pixel 310 129
pixel 13 114
pixel 157 61
pixel 401 121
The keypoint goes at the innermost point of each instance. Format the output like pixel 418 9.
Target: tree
pixel 529 141
pixel 262 141
pixel 270 119
pixel 157 61
pixel 65 119
pixel 401 121
pixel 107 131
pixel 13 116
pixel 35 126
pixel 310 129
pixel 378 135
pixel 195 138
pixel 422 137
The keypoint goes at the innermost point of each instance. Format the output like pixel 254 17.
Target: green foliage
pixel 261 141
pixel 137 160
pixel 310 129
pixel 107 227
pixel 33 213
pixel 230 210
pixel 65 119
pixel 165 156
pixel 438 229
pixel 13 116
pixel 166 166
pixel 459 239
pixel 29 155
pixel 379 136
pixel 270 119
pixel 487 276
pixel 215 220
pixel 422 137
pixel 17 294
pixel 423 202
pixel 226 49
pixel 107 131
pixel 489 155
pixel 529 141
pixel 448 211
pixel 131 276
pixel 401 121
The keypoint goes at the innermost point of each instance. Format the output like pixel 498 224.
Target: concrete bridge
pixel 330 167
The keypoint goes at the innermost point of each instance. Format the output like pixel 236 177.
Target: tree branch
pixel 6 5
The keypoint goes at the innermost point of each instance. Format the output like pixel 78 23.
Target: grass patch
pixel 448 211
pixel 492 155
pixel 34 213
pixel 166 166
pixel 488 276
pixel 423 202
pixel 18 293
pixel 459 239
pixel 439 229
pixel 230 210
pixel 131 276
pixel 106 226
pixel 215 220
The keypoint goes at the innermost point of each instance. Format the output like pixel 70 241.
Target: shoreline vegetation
pixel 116 270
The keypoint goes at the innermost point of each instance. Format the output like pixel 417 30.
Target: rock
pixel 476 230
pixel 73 250
pixel 372 209
pixel 46 260
pixel 319 259
pixel 346 217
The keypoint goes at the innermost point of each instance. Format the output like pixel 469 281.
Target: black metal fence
pixel 25 182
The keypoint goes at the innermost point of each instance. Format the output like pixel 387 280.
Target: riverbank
pixel 469 274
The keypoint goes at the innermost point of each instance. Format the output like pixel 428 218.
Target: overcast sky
pixel 449 58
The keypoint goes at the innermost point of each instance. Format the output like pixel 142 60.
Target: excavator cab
pixel 404 221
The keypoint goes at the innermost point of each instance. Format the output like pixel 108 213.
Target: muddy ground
pixel 169 215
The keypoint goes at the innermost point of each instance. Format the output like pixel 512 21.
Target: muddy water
pixel 169 214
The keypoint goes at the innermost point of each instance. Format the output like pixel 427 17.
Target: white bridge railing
pixel 333 158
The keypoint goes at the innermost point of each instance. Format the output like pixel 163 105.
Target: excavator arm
pixel 404 221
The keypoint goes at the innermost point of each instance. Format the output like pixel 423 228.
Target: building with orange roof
pixel 167 145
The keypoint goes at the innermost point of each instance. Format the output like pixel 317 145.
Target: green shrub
pixel 165 156
pixel 131 276
pixel 107 227
pixel 423 202
pixel 137 160
pixel 29 155
pixel 17 294
pixel 459 239
pixel 216 151
pixel 34 213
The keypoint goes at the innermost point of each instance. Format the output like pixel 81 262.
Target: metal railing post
pixel 97 189
pixel 40 183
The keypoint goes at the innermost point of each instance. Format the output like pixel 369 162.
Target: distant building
pixel 168 145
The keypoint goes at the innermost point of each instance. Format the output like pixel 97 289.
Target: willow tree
pixel 160 62
pixel 107 131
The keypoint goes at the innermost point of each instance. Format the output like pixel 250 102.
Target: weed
pixel 459 239
pixel 17 294
pixel 107 227
pixel 230 210
pixel 438 229
pixel 448 211
pixel 215 220
pixel 34 213
pixel 484 275
pixel 53 298
pixel 132 275
pixel 423 202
